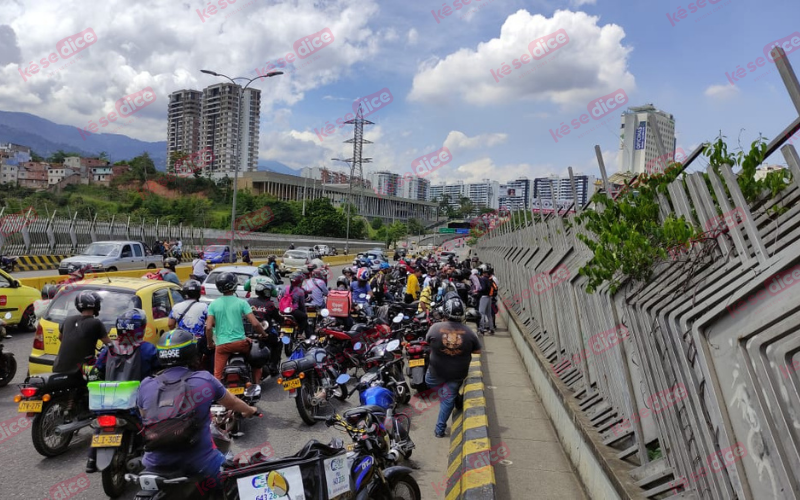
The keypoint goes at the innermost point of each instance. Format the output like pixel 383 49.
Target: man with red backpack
pixel 294 298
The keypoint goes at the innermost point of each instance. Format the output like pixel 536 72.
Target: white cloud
pixel 722 91
pixel 485 168
pixel 458 140
pixel 413 36
pixel 578 3
pixel 593 63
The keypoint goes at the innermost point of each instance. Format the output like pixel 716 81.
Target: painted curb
pixel 470 471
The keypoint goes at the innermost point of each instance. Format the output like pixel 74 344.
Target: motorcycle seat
pixel 359 411
pixel 57 380
pixel 237 359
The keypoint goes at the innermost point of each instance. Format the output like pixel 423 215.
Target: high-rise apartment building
pixel 221 126
pixel 515 195
pixel 561 189
pixel 183 123
pixel 482 194
pixel 641 126
pixel 386 183
pixel 415 188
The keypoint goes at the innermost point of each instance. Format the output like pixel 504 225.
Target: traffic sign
pixel 447 230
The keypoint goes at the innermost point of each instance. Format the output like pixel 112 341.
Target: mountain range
pixel 46 137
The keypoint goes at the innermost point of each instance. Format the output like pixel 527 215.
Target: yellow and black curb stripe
pixel 470 470
pixel 39 262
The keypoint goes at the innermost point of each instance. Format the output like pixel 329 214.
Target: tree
pixel 465 206
pixel 415 226
pixel 174 158
pixel 57 157
pixel 377 223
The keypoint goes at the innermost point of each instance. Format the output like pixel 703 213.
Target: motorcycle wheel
pixel 43 429
pixel 405 488
pixel 307 411
pixel 114 474
pixel 9 369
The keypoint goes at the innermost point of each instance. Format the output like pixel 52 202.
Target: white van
pixel 322 250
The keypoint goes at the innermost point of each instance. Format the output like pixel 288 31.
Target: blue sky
pixel 439 74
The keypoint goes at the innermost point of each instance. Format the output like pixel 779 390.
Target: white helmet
pixel 475 271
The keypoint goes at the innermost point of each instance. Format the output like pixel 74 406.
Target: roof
pixel 134 284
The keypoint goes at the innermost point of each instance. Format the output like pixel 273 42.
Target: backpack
pixel 123 367
pixel 154 276
pixel 286 300
pixel 169 424
pixel 492 288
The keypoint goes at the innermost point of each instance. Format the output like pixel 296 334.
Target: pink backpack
pixel 286 300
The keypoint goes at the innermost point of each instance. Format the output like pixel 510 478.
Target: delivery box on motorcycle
pixel 112 395
pixel 339 302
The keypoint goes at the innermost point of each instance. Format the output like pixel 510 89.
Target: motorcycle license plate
pixel 416 362
pixel 291 384
pixel 286 329
pixel 236 390
pixel 30 407
pixel 106 440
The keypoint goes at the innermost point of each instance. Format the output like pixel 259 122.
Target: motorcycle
pixel 312 378
pixel 384 368
pixel 119 442
pixel 237 377
pixel 418 355
pixel 8 264
pixel 288 329
pixel 8 364
pixel 59 405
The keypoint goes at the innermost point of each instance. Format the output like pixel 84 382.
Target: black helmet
pixel 49 291
pixel 264 289
pixel 272 258
pixel 259 355
pixel 342 280
pixel 88 300
pixel 170 263
pixel 177 348
pixel 348 270
pixel 191 289
pixel 227 282
pixel 454 309
pixel 296 277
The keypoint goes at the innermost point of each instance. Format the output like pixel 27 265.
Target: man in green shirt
pixel 224 326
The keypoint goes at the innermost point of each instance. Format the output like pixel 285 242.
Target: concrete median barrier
pixel 470 466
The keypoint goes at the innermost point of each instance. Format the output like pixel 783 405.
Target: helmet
pixel 296 278
pixel 342 280
pixel 88 300
pixel 49 291
pixel 454 309
pixel 482 268
pixel 131 325
pixel 435 282
pixel 177 348
pixel 264 270
pixel 271 258
pixel 363 274
pixel 191 289
pixel 310 268
pixel 347 270
pixel 318 273
pixel 227 282
pixel 170 263
pixel 264 289
pixel 375 268
pixel 385 265
pixel 259 355
pixel 475 271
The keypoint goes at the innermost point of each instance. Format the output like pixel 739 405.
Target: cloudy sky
pixel 449 67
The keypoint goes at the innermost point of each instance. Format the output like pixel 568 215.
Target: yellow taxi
pixel 156 298
pixel 17 299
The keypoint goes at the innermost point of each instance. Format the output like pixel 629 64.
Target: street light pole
pixel 238 143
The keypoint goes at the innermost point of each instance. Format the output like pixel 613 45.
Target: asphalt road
pixel 26 475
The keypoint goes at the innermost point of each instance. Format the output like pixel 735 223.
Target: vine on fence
pixel 629 237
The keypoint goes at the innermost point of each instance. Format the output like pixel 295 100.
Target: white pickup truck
pixel 112 256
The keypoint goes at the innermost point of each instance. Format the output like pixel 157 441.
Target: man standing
pixel 452 345
pixel 412 286
pixel 488 286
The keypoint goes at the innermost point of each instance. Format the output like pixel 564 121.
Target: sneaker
pixel 91 465
pixel 439 434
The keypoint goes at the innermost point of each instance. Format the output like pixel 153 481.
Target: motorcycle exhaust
pixel 72 427
pixel 394 455
pixel 134 465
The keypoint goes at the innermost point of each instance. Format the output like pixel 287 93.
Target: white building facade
pixel 638 138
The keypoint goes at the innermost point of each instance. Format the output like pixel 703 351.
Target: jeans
pixel 447 398
pixel 485 308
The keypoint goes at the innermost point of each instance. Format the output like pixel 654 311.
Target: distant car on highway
pixel 112 256
pixel 296 260
pixel 219 254
pixel 322 250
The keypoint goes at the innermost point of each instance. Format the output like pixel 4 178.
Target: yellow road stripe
pixel 457 422
pixel 452 468
pixel 455 493
pixel 455 440
pixel 474 402
pixel 477 478
pixel 475 446
pixel 476 421
pixel 478 386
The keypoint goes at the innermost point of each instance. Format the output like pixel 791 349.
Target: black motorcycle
pixel 8 364
pixel 59 405
pixel 417 356
pixel 118 437
pixel 237 377
pixel 312 377
pixel 384 364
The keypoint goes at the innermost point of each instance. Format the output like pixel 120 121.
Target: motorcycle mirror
pixel 288 310
pixel 393 345
pixel 343 379
pixel 7 315
pixel 357 346
pixel 398 318
pixel 286 340
pixel 324 313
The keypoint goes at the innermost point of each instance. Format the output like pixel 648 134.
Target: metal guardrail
pixel 701 362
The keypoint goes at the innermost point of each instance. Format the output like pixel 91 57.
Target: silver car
pixel 296 260
pixel 209 290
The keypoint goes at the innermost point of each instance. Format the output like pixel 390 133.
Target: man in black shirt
pixel 265 309
pixel 79 334
pixel 452 345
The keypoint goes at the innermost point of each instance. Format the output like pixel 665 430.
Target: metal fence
pixel 720 322
pixel 25 233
